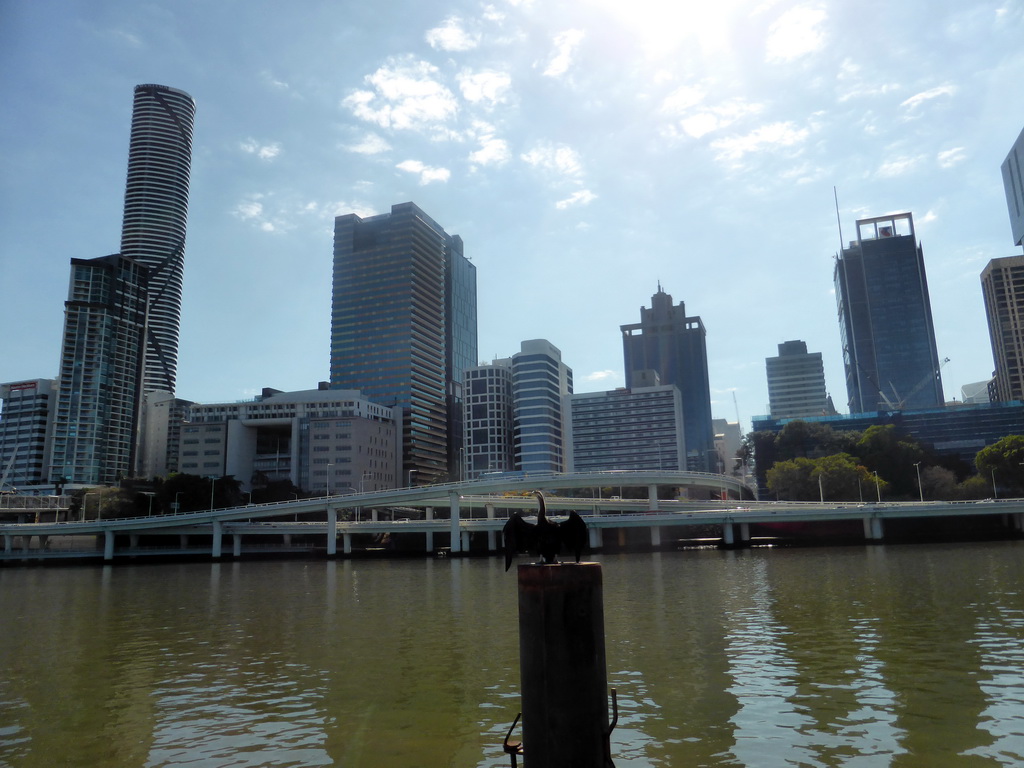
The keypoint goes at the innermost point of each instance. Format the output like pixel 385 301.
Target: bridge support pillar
pixel 332 532
pixel 594 535
pixel 183 540
pixel 492 536
pixel 652 496
pixel 133 540
pixel 728 535
pixel 44 542
pixel 873 529
pixel 346 543
pixel 236 545
pixel 655 536
pixel 218 539
pixel 745 533
pixel 428 514
pixel 373 514
pixel 456 539
pixel 8 543
pixel 108 545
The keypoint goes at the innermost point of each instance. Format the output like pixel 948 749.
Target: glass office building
pixel 403 329
pixel 885 319
pixel 674 346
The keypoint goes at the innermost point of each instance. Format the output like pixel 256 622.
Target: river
pixel 909 655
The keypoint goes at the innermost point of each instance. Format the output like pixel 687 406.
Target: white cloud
pixel 487 86
pixel 606 375
pixel 766 138
pixel 371 144
pixel 696 119
pixel 932 93
pixel 565 46
pixel 897 167
pixel 426 173
pixel 342 208
pixel 262 151
pixel 562 160
pixel 406 96
pixel 581 197
pixel 493 151
pixel 451 36
pixel 950 157
pixel 248 209
pixel 796 33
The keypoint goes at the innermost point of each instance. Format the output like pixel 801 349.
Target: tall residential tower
pixel 885 319
pixel 1002 286
pixel 403 329
pixel 155 214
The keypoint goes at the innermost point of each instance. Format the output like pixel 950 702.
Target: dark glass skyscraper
pixel 155 214
pixel 674 346
pixel 403 329
pixel 885 319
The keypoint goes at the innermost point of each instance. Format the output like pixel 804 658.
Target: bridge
pixel 469 516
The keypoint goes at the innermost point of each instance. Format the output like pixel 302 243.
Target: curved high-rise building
pixel 155 215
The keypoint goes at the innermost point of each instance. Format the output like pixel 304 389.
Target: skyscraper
pixel 674 346
pixel 100 379
pixel 488 428
pixel 540 384
pixel 155 214
pixel 403 328
pixel 885 319
pixel 796 382
pixel 1002 286
pixel 1013 183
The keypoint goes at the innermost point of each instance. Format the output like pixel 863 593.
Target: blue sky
pixel 585 151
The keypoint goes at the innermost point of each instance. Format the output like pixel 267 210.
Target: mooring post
pixel 563 676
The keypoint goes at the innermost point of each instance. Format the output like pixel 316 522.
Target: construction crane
pixel 900 403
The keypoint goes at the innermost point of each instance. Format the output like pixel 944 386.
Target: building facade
pixel 674 345
pixel 540 383
pixel 160 435
pixel 488 426
pixel 403 329
pixel 26 413
pixel 155 215
pixel 1013 183
pixel 1002 287
pixel 885 319
pixel 796 382
pixel 322 440
pixel 100 379
pixel 623 429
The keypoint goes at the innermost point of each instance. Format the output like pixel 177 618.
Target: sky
pixel 586 151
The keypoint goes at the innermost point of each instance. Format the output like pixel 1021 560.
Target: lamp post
pixel 213 484
pixel 920 488
pixel 878 488
pixel 329 479
pixel 995 490
pixel 821 489
pixel 177 506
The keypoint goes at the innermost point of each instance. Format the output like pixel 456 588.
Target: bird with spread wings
pixel 546 538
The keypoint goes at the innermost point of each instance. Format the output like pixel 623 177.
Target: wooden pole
pixel 563 675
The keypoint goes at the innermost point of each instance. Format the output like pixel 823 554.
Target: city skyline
pixel 582 159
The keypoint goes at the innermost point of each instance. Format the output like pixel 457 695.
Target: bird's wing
pixel 574 534
pixel 518 536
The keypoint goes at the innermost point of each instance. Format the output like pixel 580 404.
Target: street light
pixel 920 488
pixel 410 473
pixel 995 491
pixel 177 506
pixel 329 479
pixel 213 484
pixel 878 488
pixel 821 489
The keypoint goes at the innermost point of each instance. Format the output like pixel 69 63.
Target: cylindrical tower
pixel 155 215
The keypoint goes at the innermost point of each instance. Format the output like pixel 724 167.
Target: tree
pixel 938 483
pixel 841 478
pixel 1005 458
pixel 883 450
pixel 792 479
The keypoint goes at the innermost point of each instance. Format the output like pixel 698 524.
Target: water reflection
pixel 882 656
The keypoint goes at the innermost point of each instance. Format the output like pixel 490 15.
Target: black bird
pixel 546 538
